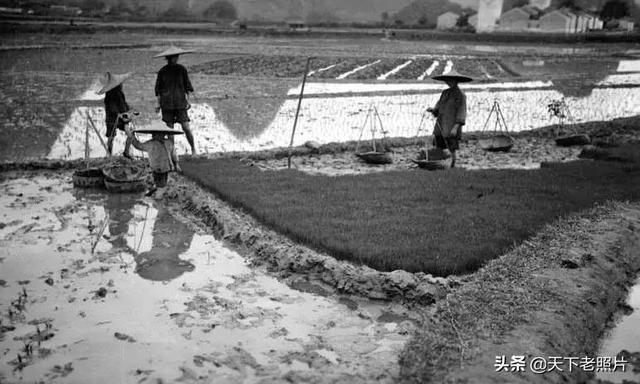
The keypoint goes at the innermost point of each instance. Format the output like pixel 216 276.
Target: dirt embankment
pixel 551 296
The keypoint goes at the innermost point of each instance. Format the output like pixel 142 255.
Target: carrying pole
pixel 98 133
pixel 295 121
pixel 86 145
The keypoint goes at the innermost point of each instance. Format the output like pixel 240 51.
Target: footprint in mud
pixel 171 238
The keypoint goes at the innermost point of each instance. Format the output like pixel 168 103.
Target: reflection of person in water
pixel 118 207
pixel 171 238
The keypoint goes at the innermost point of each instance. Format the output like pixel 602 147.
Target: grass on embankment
pixel 436 222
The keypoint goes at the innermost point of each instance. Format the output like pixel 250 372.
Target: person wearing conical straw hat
pixel 114 105
pixel 451 113
pixel 172 89
pixel 162 153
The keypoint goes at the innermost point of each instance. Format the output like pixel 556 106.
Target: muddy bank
pixel 551 296
pixel 288 259
pixel 603 133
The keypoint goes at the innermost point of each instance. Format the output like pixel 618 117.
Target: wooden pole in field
pixel 295 121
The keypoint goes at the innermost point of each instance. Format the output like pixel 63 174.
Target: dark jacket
pixel 450 109
pixel 114 103
pixel 172 86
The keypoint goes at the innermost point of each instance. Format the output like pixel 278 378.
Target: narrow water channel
pixel 114 288
pixel 624 340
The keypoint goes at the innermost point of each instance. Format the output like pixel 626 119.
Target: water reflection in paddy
pixel 159 298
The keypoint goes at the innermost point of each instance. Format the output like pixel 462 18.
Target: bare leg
pixel 110 144
pixel 189 135
pixel 127 148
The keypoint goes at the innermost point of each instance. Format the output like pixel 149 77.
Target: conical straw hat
pixel 158 127
pixel 173 51
pixel 110 81
pixel 453 75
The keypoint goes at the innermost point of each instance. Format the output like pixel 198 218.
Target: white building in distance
pixel 489 12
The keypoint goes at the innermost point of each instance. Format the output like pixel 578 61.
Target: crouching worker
pixel 161 151
pixel 450 113
pixel 115 106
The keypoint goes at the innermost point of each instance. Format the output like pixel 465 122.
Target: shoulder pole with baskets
pixel 560 110
pixel 500 140
pixel 374 156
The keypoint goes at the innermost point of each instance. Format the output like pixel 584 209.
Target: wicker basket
pixel 124 179
pixel 431 165
pixel 88 178
pixel 500 143
pixel 375 157
pixel 570 140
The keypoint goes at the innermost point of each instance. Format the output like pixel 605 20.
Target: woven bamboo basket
pixel 375 157
pixel 124 179
pixel 500 143
pixel 88 178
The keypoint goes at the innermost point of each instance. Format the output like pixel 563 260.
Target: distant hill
pixel 281 10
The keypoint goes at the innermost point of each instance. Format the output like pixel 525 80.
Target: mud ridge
pixel 284 257
pixel 554 295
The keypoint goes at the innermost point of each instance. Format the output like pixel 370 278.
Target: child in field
pixel 162 153
pixel 115 104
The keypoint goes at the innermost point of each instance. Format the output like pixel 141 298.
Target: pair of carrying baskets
pixel 117 178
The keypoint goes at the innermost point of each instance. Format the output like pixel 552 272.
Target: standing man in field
pixel 450 113
pixel 172 89
pixel 115 105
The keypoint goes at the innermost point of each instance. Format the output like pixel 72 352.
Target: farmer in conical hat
pixel 114 105
pixel 450 113
pixel 162 153
pixel 172 89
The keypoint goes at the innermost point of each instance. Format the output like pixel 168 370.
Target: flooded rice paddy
pixel 116 288
pixel 336 112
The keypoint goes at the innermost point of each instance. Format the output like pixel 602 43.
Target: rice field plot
pixel 394 220
pixel 379 69
pixel 351 68
pixel 263 66
pixel 415 69
pixel 254 65
pixel 481 68
pixel 342 67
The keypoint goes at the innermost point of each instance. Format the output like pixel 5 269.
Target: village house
pixel 626 24
pixel 517 19
pixel 447 20
pixel 557 21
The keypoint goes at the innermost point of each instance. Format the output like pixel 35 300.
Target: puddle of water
pixel 625 336
pixel 159 299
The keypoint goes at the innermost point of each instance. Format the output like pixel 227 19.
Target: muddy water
pixel 625 336
pixel 115 288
